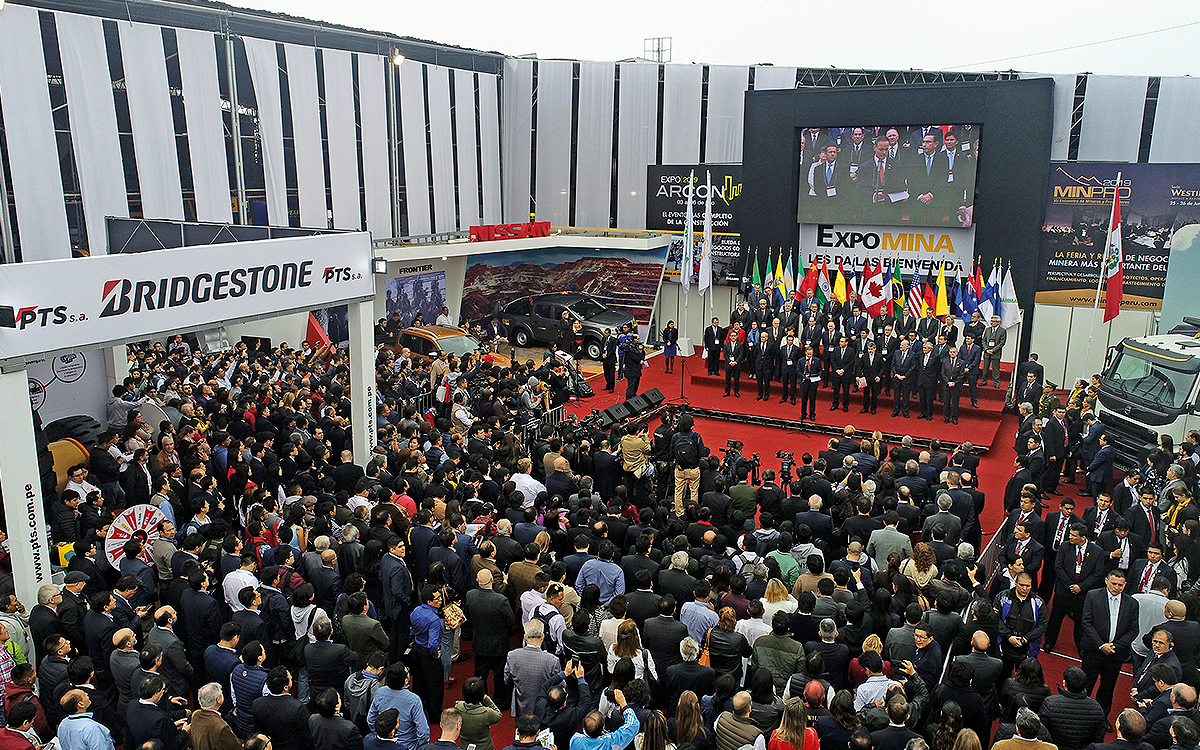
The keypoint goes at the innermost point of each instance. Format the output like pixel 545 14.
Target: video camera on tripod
pixel 785 467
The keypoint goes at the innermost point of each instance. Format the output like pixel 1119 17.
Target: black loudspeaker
pixel 638 404
pixel 655 397
pixel 617 412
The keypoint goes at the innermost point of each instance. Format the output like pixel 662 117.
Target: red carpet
pixel 705 391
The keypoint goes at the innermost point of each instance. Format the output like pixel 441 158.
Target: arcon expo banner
pixel 1157 200
pixel 667 191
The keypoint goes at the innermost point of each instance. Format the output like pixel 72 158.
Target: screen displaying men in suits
pixel 921 175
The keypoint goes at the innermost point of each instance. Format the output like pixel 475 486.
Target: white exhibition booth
pixel 103 301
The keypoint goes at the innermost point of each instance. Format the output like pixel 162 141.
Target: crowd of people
pixel 617 586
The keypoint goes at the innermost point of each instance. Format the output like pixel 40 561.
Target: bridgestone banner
pixel 57 305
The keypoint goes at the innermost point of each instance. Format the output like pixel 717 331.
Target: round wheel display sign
pixel 140 520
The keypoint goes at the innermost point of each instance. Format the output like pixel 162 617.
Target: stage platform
pixel 704 395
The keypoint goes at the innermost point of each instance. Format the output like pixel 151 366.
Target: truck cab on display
pixel 1151 386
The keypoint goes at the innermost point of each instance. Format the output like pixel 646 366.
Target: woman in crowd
pixel 1027 681
pixel 726 646
pixel 670 338
pixel 793 732
pixel 687 726
pixel 836 728
pixel 629 646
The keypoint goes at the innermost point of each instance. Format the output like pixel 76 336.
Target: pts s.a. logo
pixel 334 275
pixel 37 317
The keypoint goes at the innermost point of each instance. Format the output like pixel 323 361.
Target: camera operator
pixel 635 451
pixel 662 438
pixel 770 495
pixel 687 448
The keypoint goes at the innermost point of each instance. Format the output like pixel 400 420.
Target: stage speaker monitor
pixel 655 397
pixel 638 404
pixel 617 412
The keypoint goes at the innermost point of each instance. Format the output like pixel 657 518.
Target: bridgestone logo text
pixel 124 296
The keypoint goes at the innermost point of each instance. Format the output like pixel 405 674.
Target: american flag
pixel 916 300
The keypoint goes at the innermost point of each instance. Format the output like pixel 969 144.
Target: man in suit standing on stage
pixel 786 366
pixel 993 341
pixel 870 369
pixel 809 368
pixel 734 349
pixel 713 336
pixel 927 181
pixel 954 372
pixel 971 353
pixel 929 373
pixel 764 366
pixel 928 326
pixel 842 362
pixel 830 179
pixel 1106 640
pixel 904 377
pixel 876 180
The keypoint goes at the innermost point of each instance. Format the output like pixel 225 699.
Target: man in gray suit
pixel 993 340
pixel 889 539
pixel 528 667
pixel 175 665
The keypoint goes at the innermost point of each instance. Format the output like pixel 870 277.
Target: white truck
pixel 1150 387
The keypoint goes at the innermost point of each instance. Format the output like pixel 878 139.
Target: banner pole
pixel 1099 285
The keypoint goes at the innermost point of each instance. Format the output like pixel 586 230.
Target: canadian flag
pixel 874 294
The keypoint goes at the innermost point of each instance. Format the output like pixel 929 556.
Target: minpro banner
pixel 59 305
pixel 1157 200
pixel 668 190
pixel 913 249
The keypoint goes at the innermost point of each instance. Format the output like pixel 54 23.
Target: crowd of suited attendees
pixel 295 598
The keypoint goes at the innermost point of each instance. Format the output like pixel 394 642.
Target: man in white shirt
pixel 526 484
pixel 77 480
pixel 876 686
pixel 1152 607
pixel 240 579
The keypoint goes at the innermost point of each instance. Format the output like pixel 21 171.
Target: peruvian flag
pixel 1113 260
pixel 873 289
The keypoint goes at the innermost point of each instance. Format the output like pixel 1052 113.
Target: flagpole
pixel 1100 278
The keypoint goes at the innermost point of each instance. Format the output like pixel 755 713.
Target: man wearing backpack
pixel 686 450
pixel 553 622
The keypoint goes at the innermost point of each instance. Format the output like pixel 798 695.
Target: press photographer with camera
pixel 687 448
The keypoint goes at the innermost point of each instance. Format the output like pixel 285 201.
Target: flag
pixel 689 239
pixel 1113 268
pixel 885 281
pixel 755 279
pixel 930 294
pixel 943 307
pixel 986 308
pixel 873 298
pixel 993 289
pixel 781 285
pixel 706 246
pixel 824 293
pixel 315 334
pixel 977 282
pixel 970 301
pixel 810 281
pixel 852 282
pixel 897 291
pixel 839 284
pixel 1010 311
pixel 916 303
pixel 768 287
pixel 958 304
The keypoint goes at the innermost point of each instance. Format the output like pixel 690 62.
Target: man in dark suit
pixel 1162 652
pixel 764 366
pixel 713 337
pixel 662 635
pixel 641 602
pixel 1101 517
pixel 1032 366
pixel 1124 492
pixel 787 366
pixel 819 523
pixel 971 353
pixel 878 179
pixel 831 182
pixel 676 581
pixel 830 338
pixel 1105 644
pixel 954 373
pixel 1025 513
pixel 1143 571
pixel 1055 438
pixel 904 376
pixel 1055 530
pixel 327 582
pixel 842 364
pixel 896 735
pixel 986 670
pixel 493 617
pixel 146 720
pixel 734 349
pixel 927 174
pixel 1078 569
pixel 1144 519
pixel 688 674
pixel 280 716
pixel 200 614
pixel 928 327
pixel 99 627
pixel 1121 548
pixel 870 368
pixel 808 368
pixel 608 348
pixel 1023 545
pixel 1183 704
pixel 1029 390
pixel 328 663
pixel 929 373
pixel 1100 470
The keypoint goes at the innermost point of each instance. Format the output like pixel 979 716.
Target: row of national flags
pixel 882 290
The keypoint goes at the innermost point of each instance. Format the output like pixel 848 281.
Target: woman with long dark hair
pixel 670 338
pixel 687 727
pixel 721 699
pixel 836 728
pixel 1027 681
pixel 765 708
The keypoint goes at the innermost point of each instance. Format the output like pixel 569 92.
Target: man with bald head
pixel 493 616
pixel 735 728
pixel 1185 633
pixel 986 670
pixel 561 481
pixel 122 662
pixel 1183 705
